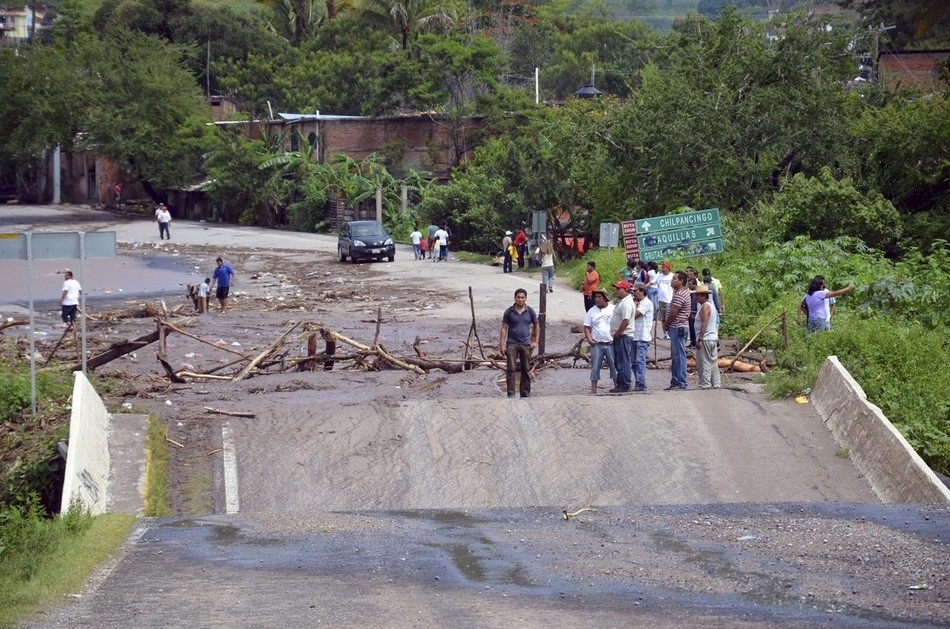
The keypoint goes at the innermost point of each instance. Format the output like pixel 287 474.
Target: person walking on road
pixel 518 338
pixel 163 217
pixel 442 235
pixel 223 276
pixel 69 299
pixel 416 238
pixel 676 325
pixel 642 334
pixel 430 233
pixel 707 343
pixel 591 284
pixel 547 264
pixel 597 332
pixel 621 331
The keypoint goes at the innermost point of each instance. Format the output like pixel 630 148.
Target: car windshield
pixel 367 230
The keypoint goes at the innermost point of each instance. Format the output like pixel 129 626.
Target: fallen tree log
pixel 267 352
pixel 116 350
pixel 219 411
pixel 12 322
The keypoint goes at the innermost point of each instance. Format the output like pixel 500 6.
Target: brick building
pixel 918 70
pixel 420 142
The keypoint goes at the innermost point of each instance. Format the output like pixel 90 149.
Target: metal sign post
pixel 55 246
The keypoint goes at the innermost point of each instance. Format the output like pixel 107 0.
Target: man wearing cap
pixel 642 334
pixel 597 331
pixel 664 288
pixel 519 336
pixel 621 330
pixel 676 325
pixel 707 335
pixel 506 266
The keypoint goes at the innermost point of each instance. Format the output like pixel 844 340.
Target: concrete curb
pixel 105 461
pixel 894 470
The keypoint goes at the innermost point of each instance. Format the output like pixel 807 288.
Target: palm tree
pixel 407 17
pixel 298 20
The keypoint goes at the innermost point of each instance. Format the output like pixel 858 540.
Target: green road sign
pixel 660 240
pixel 677 221
pixel 683 250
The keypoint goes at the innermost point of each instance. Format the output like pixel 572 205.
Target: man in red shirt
pixel 521 243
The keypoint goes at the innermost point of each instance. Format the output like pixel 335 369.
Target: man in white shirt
pixel 442 235
pixel 164 217
pixel 69 300
pixel 416 238
pixel 597 331
pixel 621 330
pixel 664 294
pixel 642 335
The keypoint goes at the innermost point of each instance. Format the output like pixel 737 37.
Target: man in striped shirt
pixel 677 326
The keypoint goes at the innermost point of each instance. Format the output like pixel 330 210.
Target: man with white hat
pixel 707 339
pixel 507 266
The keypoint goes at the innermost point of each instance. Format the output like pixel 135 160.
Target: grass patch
pixel 43 560
pixel 475 258
pixel 157 501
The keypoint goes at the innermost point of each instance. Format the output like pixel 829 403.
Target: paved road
pixel 713 508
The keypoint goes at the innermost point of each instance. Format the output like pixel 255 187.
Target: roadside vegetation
pixel 45 557
pixel 42 560
pixel 813 172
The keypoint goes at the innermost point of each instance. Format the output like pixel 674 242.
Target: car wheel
pixel 342 255
pixel 353 259
pixel 391 257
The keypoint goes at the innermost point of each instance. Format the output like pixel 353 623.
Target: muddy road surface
pixel 361 497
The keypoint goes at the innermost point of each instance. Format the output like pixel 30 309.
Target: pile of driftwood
pixel 358 355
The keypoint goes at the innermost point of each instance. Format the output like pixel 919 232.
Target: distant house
pixel 16 24
pixel 421 141
pixel 916 70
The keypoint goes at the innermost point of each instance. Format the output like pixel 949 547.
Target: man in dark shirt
pixel 519 336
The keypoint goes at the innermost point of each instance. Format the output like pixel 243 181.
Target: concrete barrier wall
pixel 87 461
pixel 894 470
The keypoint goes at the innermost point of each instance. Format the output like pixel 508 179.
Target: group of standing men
pixel 620 334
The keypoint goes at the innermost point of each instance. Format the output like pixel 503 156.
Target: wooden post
pixel 785 327
pixel 542 317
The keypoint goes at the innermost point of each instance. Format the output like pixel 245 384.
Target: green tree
pixel 149 116
pixel 824 208
pixel 48 92
pixel 906 155
pixel 723 114
pixel 238 187
pixel 298 20
pixel 405 18
pixel 448 76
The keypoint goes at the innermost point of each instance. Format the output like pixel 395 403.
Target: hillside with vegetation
pixel 812 174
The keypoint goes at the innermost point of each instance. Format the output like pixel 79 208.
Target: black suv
pixel 365 240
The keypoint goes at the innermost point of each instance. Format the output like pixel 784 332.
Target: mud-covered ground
pixel 708 565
